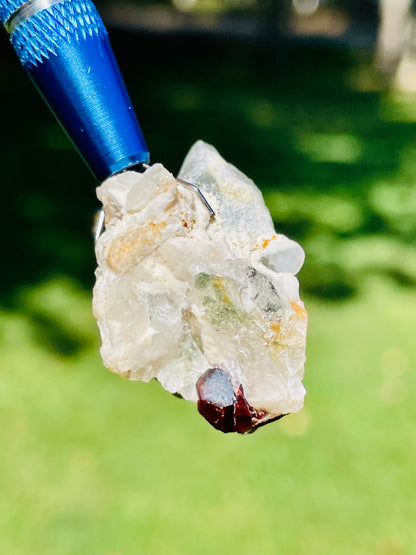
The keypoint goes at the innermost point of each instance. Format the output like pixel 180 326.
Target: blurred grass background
pixel 93 465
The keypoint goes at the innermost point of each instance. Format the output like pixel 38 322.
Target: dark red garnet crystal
pixel 223 404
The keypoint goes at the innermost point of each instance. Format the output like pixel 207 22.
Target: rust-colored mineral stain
pixel 275 327
pixel 124 250
pixel 224 404
pixel 299 310
pixel 267 241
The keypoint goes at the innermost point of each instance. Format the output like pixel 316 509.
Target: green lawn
pixel 93 465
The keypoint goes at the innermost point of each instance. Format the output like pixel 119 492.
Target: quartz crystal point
pixel 209 307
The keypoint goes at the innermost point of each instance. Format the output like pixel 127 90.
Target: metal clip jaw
pixel 99 223
pixel 146 166
pixel 201 196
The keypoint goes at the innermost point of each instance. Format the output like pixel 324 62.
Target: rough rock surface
pixel 179 293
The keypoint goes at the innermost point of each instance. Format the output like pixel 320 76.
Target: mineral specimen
pixel 208 306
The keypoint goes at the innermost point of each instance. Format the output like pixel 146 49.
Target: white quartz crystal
pixel 179 292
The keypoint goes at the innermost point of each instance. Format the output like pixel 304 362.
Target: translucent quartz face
pixel 179 293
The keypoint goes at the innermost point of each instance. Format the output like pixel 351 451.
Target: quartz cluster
pixel 209 306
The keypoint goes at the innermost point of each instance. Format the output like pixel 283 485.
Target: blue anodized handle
pixel 64 46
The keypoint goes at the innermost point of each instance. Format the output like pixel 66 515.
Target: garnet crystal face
pixel 217 399
pixel 224 405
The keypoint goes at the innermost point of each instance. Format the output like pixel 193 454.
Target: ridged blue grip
pixel 65 49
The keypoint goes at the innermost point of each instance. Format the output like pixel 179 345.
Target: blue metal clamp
pixel 64 46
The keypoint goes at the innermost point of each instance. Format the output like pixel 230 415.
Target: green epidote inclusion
pixel 218 292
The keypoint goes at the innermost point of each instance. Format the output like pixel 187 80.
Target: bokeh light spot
pixel 394 362
pixel 393 391
pixel 305 7
pixel 341 148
